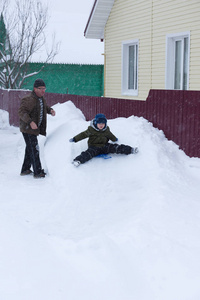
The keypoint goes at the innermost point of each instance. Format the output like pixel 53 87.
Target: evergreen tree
pixel 5 51
pixel 2 33
pixel 2 44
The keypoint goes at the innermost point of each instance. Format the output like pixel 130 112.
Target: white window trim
pixel 124 71
pixel 170 38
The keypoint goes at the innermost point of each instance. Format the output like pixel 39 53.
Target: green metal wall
pixel 73 79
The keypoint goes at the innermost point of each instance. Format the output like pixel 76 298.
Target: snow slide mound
pixel 141 203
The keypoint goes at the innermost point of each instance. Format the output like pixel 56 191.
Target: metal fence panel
pixel 177 113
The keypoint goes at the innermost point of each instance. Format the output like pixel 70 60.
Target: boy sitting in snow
pixel 99 134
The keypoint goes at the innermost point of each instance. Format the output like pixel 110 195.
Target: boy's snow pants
pixel 108 148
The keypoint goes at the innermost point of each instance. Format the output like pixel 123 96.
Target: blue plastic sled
pixel 104 156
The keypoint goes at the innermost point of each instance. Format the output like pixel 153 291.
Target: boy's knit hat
pixel 100 118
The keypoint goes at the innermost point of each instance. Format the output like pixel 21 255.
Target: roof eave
pixel 98 18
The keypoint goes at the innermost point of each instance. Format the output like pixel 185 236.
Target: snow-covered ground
pixel 126 228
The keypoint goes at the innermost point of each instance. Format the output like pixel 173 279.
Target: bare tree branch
pixel 25 36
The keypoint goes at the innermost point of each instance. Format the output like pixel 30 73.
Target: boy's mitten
pixel 114 141
pixel 71 140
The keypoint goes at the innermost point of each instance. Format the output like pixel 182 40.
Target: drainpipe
pixel 104 75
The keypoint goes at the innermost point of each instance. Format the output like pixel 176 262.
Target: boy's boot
pixel 76 163
pixel 134 150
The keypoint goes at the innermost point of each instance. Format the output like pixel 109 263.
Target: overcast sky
pixel 68 19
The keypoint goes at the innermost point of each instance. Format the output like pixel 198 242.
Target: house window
pixel 130 68
pixel 177 61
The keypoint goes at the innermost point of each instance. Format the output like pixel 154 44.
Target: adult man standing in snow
pixel 33 118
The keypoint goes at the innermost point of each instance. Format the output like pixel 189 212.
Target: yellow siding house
pixel 150 44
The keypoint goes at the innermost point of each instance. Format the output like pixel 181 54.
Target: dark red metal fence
pixel 177 113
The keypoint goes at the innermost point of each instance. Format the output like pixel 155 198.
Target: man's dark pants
pixel 31 157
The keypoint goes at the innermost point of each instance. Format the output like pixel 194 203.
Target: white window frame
pixel 125 68
pixel 170 58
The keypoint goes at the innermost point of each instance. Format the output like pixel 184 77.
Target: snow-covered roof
pixel 97 20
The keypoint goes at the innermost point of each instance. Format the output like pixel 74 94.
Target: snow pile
pixel 123 228
pixel 4 119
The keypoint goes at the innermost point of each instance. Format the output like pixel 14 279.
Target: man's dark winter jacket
pixel 30 111
pixel 97 138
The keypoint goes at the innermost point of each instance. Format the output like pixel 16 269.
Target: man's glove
pixel 71 140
